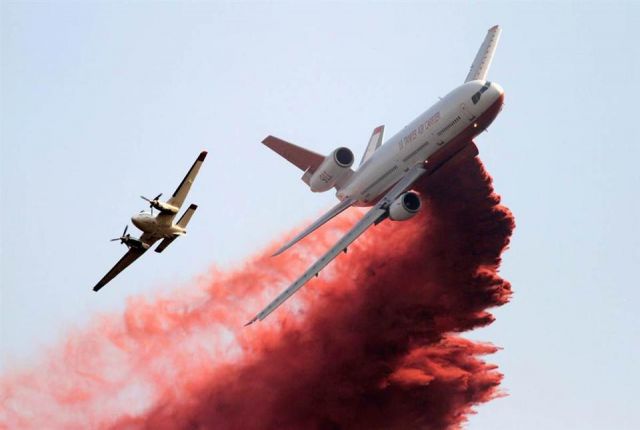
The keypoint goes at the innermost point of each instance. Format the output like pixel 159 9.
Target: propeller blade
pixel 144 198
pixel 158 196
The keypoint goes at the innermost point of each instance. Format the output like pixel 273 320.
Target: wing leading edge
pixel 180 194
pixel 332 213
pixel 379 211
pixel 132 255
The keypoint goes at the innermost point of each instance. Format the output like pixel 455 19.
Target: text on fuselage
pixel 421 129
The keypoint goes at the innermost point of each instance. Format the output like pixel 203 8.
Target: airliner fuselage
pixel 459 116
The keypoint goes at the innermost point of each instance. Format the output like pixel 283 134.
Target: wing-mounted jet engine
pixel 405 207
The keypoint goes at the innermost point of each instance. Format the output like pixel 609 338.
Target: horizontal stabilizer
pixel 333 212
pixel 482 62
pixel 182 223
pixel 165 242
pixel 186 217
pixel 299 157
pixel 374 143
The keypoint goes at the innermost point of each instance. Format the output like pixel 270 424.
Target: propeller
pixel 152 202
pixel 125 237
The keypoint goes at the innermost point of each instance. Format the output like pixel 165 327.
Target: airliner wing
pixel 132 255
pixel 378 212
pixel 332 213
pixel 482 62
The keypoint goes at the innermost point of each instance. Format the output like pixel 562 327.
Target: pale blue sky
pixel 102 102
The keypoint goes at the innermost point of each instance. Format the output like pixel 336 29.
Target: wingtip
pixel 267 139
pixel 282 249
pixel 378 129
pixel 252 321
pixel 495 27
pixel 202 156
pixel 193 206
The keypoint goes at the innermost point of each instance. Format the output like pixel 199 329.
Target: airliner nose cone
pixel 498 89
pixel 499 92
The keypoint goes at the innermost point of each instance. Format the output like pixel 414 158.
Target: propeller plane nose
pixel 136 220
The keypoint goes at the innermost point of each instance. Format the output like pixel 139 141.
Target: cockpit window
pixel 476 97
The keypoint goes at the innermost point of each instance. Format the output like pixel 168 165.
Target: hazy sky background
pixel 102 102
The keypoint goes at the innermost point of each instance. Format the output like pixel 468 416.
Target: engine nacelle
pixel 165 207
pixel 132 242
pixel 406 206
pixel 334 167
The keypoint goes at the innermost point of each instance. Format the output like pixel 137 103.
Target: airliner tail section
pixel 374 143
pixel 302 158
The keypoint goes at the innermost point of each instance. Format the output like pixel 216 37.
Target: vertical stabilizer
pixel 374 143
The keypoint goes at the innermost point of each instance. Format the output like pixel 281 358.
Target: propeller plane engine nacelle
pixel 163 207
pixel 406 206
pixel 334 168
pixel 131 242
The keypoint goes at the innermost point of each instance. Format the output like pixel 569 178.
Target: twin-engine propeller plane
pixel 156 227
pixel 386 173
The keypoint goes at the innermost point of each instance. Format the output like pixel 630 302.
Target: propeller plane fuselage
pixel 156 227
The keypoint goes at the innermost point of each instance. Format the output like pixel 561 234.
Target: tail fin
pixel 482 62
pixel 186 217
pixel 374 143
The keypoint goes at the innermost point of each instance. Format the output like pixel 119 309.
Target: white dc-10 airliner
pixel 441 134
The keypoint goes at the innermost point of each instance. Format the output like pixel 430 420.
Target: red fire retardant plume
pixel 370 344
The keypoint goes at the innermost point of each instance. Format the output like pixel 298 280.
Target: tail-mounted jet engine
pixel 334 168
pixel 406 206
